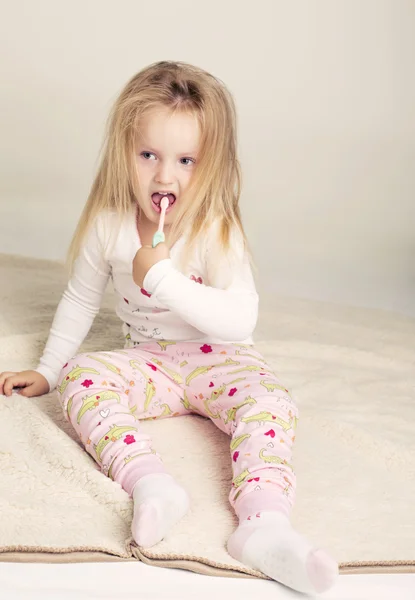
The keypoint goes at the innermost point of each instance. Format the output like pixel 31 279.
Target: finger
pixel 3 377
pixel 14 381
pixel 28 391
pixel 6 374
pixel 8 386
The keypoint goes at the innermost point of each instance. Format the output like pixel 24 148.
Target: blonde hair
pixel 214 190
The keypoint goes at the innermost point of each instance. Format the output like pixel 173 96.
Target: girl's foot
pixel 267 542
pixel 159 503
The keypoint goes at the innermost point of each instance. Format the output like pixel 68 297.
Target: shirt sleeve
pixel 227 309
pixel 78 307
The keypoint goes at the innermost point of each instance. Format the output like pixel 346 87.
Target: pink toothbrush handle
pixel 159 235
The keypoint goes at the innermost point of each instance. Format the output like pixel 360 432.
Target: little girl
pixel 188 307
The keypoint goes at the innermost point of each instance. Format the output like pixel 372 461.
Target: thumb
pixel 27 391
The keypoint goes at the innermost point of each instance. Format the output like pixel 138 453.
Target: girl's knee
pixel 279 403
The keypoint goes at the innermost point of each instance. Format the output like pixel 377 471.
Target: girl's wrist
pixel 156 274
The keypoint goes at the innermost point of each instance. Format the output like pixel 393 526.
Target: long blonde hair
pixel 214 190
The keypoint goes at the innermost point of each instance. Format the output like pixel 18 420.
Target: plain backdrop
pixel 325 92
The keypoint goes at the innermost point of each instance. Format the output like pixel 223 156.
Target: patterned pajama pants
pixel 105 395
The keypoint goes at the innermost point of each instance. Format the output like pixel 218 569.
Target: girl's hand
pixel 32 382
pixel 145 258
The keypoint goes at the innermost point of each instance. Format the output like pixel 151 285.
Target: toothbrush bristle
pixel 164 204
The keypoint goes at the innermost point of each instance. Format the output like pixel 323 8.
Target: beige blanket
pixel 353 374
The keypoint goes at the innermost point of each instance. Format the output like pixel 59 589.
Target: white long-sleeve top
pixel 214 300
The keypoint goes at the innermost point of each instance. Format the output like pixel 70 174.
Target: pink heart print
pixel 196 279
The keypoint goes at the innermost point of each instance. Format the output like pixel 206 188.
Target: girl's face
pixel 166 153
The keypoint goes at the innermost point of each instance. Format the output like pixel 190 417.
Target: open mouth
pixel 157 197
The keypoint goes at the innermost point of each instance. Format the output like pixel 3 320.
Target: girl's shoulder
pixel 214 245
pixel 112 232
pixel 109 219
pixel 109 223
pixel 224 262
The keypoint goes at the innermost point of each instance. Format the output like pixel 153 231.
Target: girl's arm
pixel 78 307
pixel 227 309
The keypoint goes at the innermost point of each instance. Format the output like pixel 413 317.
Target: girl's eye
pixel 190 161
pixel 147 155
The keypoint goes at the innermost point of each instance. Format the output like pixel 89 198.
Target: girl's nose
pixel 164 174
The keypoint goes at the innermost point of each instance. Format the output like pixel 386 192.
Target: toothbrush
pixel 159 235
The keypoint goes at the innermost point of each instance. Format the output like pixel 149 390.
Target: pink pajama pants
pixel 105 395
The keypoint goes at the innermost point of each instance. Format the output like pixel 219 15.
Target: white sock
pixel 269 544
pixel 159 503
